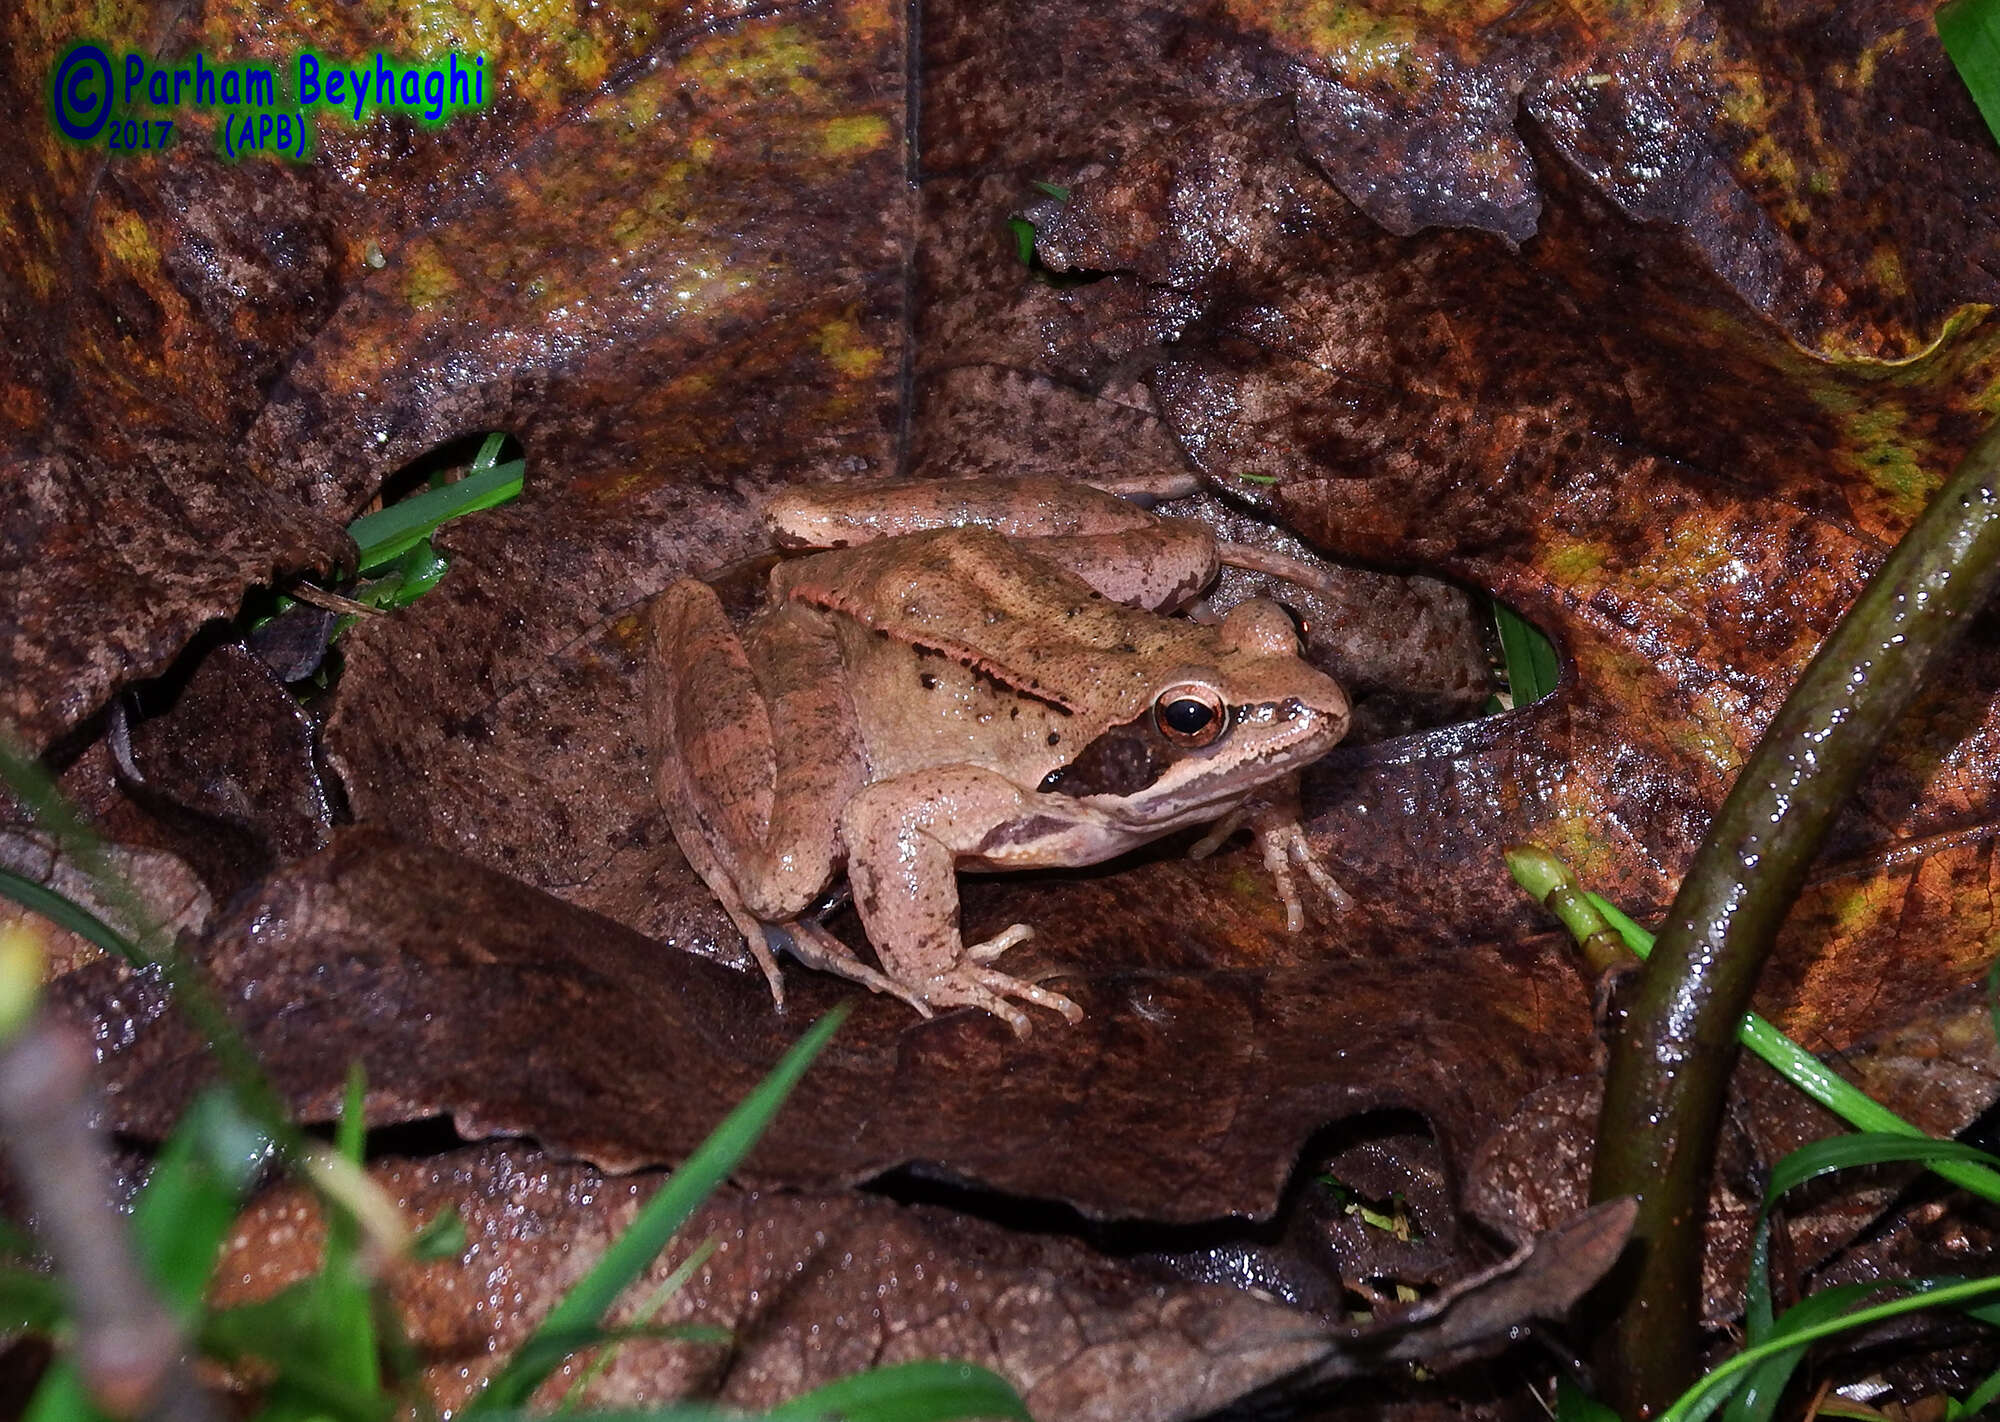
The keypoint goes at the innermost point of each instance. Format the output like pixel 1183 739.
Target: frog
pixel 973 674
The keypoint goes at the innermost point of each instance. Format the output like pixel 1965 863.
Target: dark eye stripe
pixel 1123 761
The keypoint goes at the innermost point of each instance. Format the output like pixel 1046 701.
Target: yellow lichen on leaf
pixel 844 348
pixel 128 240
pixel 1572 562
pixel 755 63
pixel 855 133
pixel 427 279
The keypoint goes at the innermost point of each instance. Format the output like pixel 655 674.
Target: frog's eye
pixel 1190 716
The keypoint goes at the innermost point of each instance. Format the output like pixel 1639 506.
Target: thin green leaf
pixel 927 1391
pixel 443 1238
pixel 190 1200
pixel 489 451
pixel 1756 1398
pixel 277 1327
pixel 1573 1404
pixel 418 571
pixel 584 1306
pixel 1024 239
pixel 1980 1398
pixel 1815 1078
pixel 386 535
pixel 343 1313
pixel 65 912
pixel 286 1333
pixel 350 1137
pixel 16 1241
pixel 1993 997
pixel 1054 190
pixel 29 1301
pixel 1867 1148
pixel 546 1351
pixel 61 1397
pixel 1709 1392
pixel 655 1301
pixel 304 1391
pixel 1970 30
pixel 1532 666
pixel 1258 478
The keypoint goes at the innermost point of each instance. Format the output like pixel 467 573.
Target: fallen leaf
pixel 1207 1057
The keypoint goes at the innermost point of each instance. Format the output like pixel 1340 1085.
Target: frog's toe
pixel 1218 834
pixel 1004 985
pixel 1287 854
pixel 999 943
pixel 970 985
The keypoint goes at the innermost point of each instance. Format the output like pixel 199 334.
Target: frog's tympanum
pixel 971 674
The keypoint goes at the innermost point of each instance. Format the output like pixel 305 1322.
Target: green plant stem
pixel 1672 1052
pixel 1815 1078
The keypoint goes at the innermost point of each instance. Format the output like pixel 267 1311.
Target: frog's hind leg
pixel 814 946
pixel 755 749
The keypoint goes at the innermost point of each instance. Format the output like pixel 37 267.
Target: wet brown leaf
pixel 813 1287
pixel 1205 1063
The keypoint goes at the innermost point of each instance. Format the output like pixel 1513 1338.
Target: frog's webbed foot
pixel 814 946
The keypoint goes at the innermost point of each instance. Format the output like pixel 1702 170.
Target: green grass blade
pixel 29 1301
pixel 1981 1398
pixel 1756 1398
pixel 584 1306
pixel 489 451
pixel 927 1391
pixel 668 1287
pixel 65 912
pixel 343 1313
pixel 1868 1148
pixel 1970 30
pixel 1816 1079
pixel 16 1241
pixel 1573 1404
pixel 61 1397
pixel 443 1238
pixel 1024 239
pixel 1530 658
pixel 386 535
pixel 1700 1401
pixel 190 1200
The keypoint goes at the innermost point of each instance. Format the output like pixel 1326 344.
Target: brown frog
pixel 973 674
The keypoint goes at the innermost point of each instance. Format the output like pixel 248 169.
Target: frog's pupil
pixel 1188 716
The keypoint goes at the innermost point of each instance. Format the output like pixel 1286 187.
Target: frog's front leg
pixel 1275 818
pixel 904 837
